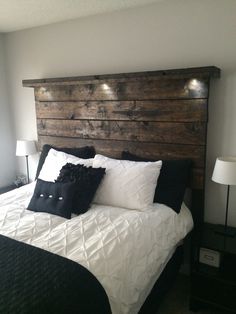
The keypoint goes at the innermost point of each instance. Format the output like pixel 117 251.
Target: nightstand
pixel 213 286
pixel 7 188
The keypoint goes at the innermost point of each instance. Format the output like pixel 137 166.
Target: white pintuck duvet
pixel 125 249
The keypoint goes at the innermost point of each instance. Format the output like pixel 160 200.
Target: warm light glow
pixel 194 84
pixel 107 90
pixel 105 86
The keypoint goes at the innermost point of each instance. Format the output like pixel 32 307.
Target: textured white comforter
pixel 125 249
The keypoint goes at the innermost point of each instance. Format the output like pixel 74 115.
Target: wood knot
pixel 72 116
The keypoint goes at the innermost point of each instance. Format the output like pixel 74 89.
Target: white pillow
pixel 127 184
pixel 55 160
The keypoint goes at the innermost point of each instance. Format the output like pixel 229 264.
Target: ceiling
pixel 21 14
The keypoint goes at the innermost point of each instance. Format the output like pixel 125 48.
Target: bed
pixel 152 115
pixel 120 240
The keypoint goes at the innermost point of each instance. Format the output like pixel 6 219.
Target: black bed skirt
pixel 163 283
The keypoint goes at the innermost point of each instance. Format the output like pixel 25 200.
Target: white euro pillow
pixel 127 184
pixel 55 160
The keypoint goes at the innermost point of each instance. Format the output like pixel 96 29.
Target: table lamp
pixel 25 148
pixel 225 173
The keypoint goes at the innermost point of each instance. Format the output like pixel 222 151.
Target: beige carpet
pixel 177 300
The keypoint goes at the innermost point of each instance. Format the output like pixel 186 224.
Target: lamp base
pixel 225 231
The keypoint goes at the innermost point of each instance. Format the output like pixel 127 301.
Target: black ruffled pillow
pixel 81 152
pixel 53 198
pixel 87 180
pixel 172 182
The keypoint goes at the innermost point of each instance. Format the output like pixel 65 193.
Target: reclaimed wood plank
pixel 158 151
pixel 164 132
pixel 147 150
pixel 143 89
pixel 152 110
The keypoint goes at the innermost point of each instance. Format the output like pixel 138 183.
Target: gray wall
pixel 169 34
pixel 7 148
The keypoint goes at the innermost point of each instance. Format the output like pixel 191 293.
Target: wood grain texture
pixel 147 150
pixel 162 132
pixel 154 151
pixel 143 89
pixel 152 110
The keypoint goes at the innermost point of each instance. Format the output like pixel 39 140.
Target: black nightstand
pixel 7 188
pixel 212 286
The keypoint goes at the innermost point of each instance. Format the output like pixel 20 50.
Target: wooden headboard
pixel 158 114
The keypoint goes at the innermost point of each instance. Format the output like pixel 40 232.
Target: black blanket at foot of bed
pixel 35 281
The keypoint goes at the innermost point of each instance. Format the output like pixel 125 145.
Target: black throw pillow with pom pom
pixel 87 180
pixel 53 198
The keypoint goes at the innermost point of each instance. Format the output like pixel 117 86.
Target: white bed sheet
pixel 125 249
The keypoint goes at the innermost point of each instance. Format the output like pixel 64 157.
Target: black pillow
pixel 81 152
pixel 53 198
pixel 87 180
pixel 172 182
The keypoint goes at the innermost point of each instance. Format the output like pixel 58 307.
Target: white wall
pixel 170 34
pixel 7 160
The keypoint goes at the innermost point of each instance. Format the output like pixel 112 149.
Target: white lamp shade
pixel 25 148
pixel 225 170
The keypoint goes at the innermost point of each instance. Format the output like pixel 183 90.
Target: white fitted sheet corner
pixel 125 249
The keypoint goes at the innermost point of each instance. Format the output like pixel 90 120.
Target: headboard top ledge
pixel 207 71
